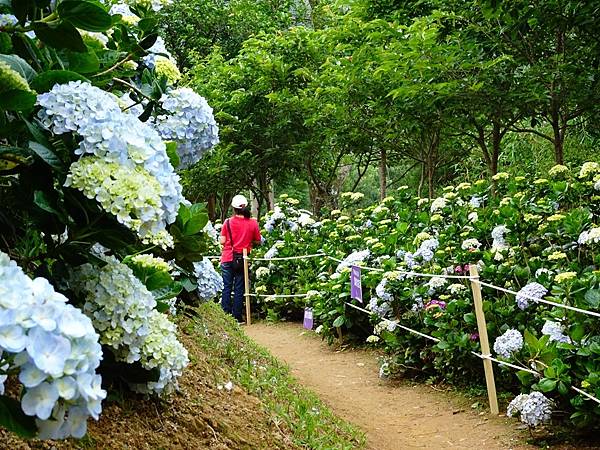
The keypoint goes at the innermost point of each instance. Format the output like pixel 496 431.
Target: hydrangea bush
pixel 538 238
pixel 93 127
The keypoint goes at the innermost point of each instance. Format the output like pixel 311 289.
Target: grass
pixel 311 423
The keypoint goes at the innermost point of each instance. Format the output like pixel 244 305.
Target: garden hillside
pixel 533 240
pixel 234 395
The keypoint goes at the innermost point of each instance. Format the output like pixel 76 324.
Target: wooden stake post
pixel 483 339
pixel 247 287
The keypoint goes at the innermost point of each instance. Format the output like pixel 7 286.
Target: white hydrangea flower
pixel 380 307
pixel 114 137
pixel 189 121
pixel 591 236
pixel 8 20
pixel 456 288
pixel 436 283
pixel 55 348
pixel 262 272
pixel 507 344
pixel 475 202
pixel 470 244
pixel 556 331
pixel 589 168
pixel 534 409
pixel 157 50
pixel 535 290
pixel 353 259
pixel 209 281
pixel 122 310
pixel 381 291
pixel 438 204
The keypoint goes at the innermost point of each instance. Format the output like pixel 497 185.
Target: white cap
pixel 239 201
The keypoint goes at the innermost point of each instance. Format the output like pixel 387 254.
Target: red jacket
pixel 244 232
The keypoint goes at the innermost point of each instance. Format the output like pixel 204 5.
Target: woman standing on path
pixel 239 232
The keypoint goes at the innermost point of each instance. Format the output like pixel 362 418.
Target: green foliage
pixel 545 241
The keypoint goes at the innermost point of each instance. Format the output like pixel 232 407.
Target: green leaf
pixel 14 419
pixel 172 154
pixel 19 65
pixel 158 280
pixel 547 385
pixel 16 100
pixel 86 62
pixel 196 224
pixel 45 81
pixel 41 199
pixel 173 290
pixel 85 15
pixel 531 341
pixel 592 298
pixel 63 35
pixel 47 155
pixel 11 157
pixel 189 285
pixel 339 321
pixel 148 24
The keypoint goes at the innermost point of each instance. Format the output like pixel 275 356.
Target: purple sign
pixel 308 318
pixel 355 284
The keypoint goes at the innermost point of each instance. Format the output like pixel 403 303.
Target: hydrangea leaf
pixel 85 15
pixel 87 62
pixel 592 297
pixel 172 153
pixel 17 100
pixel 19 65
pixel 11 157
pixel 47 155
pixel 45 81
pixel 63 35
pixel 196 224
pixel 13 419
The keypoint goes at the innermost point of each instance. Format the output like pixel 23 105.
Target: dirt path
pixel 393 417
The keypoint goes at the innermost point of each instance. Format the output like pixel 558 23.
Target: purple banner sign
pixel 308 318
pixel 355 284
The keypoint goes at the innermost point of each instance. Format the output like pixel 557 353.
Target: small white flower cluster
pixel 470 244
pixel 456 288
pixel 534 409
pixel 149 261
pixel 210 230
pixel 379 307
pixel 353 259
pixel 436 283
pixel 498 236
pixel 534 289
pixel 209 281
pixel 591 236
pixel 122 310
pixel 8 20
pixel 305 220
pixel 189 122
pixel 381 292
pixel 438 204
pixel 274 250
pixel 56 349
pixel 425 252
pixel 262 272
pixel 157 51
pixel 274 218
pixel 117 141
pixel 556 331
pixel 507 344
pixel 589 168
pixel 475 202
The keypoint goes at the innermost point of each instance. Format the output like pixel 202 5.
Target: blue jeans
pixel 235 281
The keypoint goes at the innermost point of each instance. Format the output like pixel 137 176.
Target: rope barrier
pixel 285 258
pixel 541 300
pixel 278 295
pixel 426 336
pixel 479 355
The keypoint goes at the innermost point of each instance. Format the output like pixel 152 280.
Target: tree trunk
pixel 271 197
pixel 421 180
pixel 430 172
pixel 211 206
pixel 382 174
pixel 496 139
